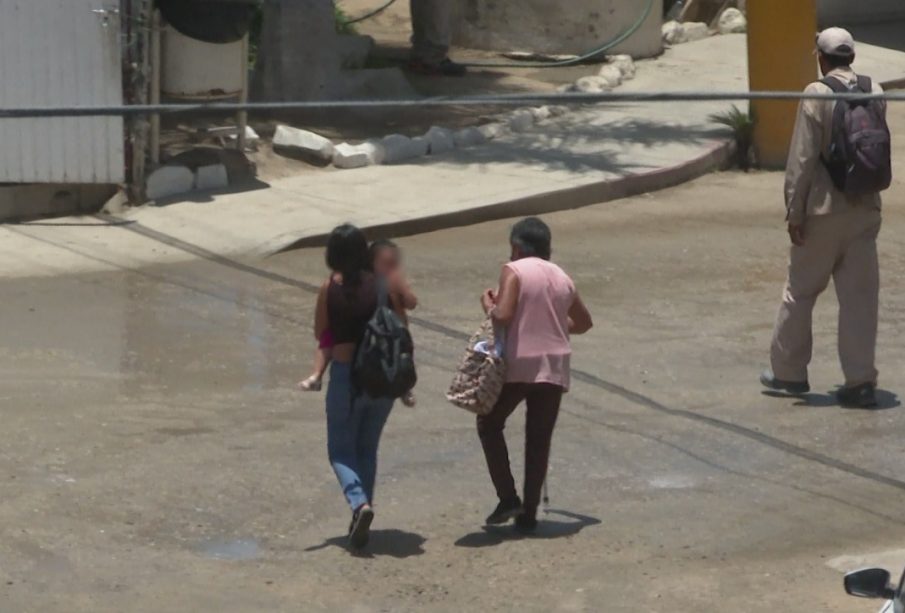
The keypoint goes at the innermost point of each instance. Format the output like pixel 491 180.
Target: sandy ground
pixel 155 457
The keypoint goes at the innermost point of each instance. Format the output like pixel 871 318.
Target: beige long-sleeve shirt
pixel 809 190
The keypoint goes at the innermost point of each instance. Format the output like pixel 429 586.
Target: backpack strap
pixel 383 294
pixel 865 84
pixel 835 84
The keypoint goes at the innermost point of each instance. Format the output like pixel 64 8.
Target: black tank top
pixel 350 308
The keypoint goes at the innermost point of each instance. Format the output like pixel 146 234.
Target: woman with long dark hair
pixel 346 302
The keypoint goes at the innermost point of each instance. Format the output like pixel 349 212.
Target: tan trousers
pixel 431 30
pixel 842 246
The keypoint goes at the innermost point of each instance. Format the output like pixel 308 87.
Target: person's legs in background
pixel 431 38
pixel 542 400
pixel 490 430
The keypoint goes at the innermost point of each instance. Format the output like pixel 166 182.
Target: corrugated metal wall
pixel 56 53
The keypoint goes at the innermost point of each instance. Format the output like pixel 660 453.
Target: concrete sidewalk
pixel 590 155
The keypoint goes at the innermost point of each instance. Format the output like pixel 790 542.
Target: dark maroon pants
pixel 542 401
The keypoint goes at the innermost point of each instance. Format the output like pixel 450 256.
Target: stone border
pixel 730 21
pixel 397 148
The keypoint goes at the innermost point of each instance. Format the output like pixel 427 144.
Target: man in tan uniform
pixel 431 37
pixel 833 235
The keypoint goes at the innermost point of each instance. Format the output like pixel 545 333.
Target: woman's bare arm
pixel 321 319
pixel 579 317
pixel 505 301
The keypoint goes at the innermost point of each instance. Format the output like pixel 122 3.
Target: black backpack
pixel 860 156
pixel 384 364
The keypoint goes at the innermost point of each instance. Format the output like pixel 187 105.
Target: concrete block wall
pixel 567 27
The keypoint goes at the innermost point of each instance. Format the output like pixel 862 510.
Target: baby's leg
pixel 313 383
pixel 322 358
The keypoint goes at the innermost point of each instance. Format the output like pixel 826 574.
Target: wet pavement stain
pixel 235 550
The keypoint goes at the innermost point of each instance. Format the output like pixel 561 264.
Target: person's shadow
pixel 547 528
pixel 392 543
pixel 885 400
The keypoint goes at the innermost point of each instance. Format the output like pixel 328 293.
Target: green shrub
pixel 742 126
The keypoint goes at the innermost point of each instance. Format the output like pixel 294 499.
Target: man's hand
pixel 796 233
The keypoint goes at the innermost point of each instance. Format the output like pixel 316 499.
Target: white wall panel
pixel 58 53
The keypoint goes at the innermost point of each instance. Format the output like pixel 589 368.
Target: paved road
pixel 154 456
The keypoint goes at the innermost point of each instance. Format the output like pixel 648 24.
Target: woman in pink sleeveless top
pixel 538 306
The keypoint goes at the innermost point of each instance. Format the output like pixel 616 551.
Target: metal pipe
pixel 155 87
pixel 510 100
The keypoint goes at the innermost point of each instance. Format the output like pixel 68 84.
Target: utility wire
pixel 504 100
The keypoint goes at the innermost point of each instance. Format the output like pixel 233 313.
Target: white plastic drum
pixel 193 69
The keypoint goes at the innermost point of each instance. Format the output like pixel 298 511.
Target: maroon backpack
pixel 860 155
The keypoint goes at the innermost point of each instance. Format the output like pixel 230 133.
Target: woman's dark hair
pixel 347 253
pixel 532 237
pixel 838 61
pixel 379 245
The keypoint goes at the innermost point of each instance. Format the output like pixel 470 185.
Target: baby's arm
pixel 408 297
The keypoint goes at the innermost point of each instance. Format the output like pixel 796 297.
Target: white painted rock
pixel 732 21
pixel 251 137
pixel 694 30
pixel 398 148
pixel 492 130
pixel 303 141
pixel 520 120
pixel 468 137
pixel 592 85
pixel 169 181
pixel 672 32
pixel 211 177
pixel 440 140
pixel 117 203
pixel 625 64
pixel 358 156
pixel 541 112
pixel 611 73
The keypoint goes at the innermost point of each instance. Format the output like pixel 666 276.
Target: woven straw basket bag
pixel 480 377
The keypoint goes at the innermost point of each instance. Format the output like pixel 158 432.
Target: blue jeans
pixel 354 426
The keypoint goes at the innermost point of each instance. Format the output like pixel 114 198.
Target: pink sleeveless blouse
pixel 537 339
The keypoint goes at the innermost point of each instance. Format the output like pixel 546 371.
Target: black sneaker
pixel 525 524
pixel 359 531
pixel 443 68
pixel 506 510
pixel 796 388
pixel 862 396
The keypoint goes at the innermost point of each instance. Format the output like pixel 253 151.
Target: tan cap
pixel 836 41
